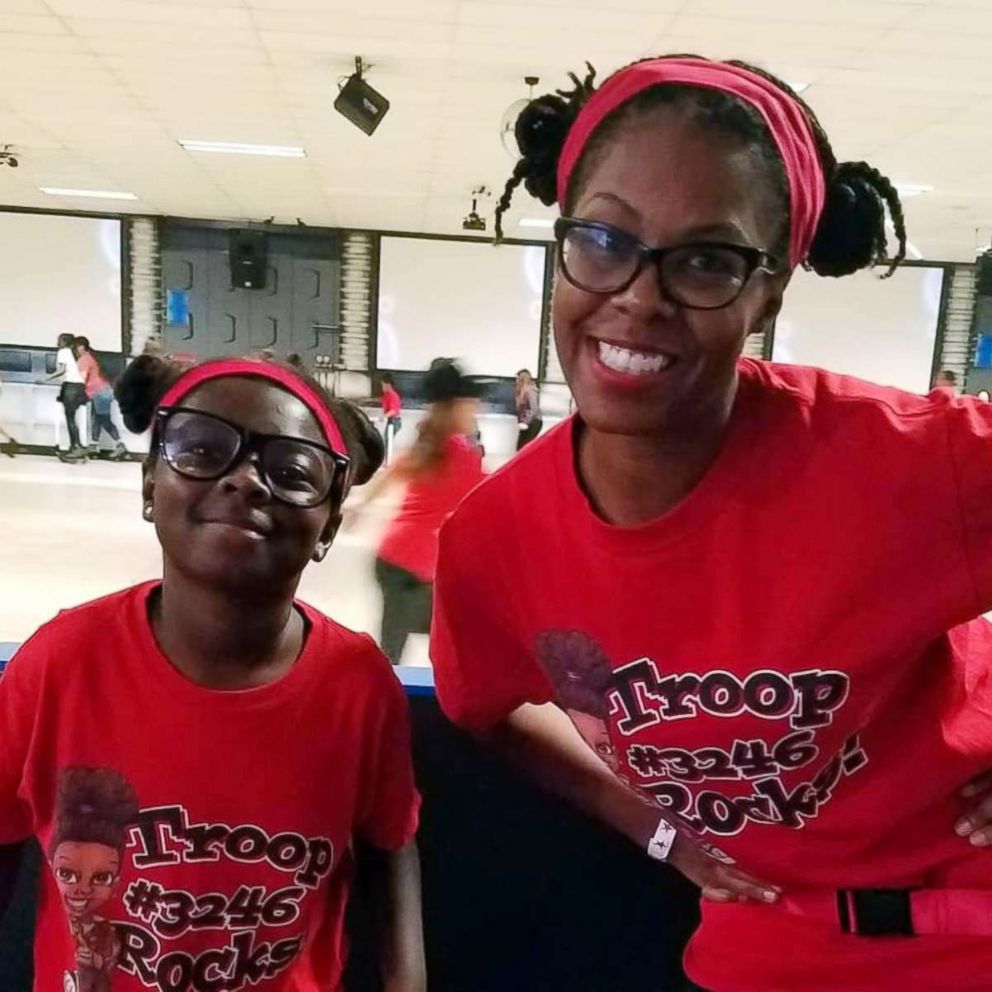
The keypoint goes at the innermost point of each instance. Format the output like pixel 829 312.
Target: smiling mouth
pixel 77 905
pixel 252 530
pixel 630 362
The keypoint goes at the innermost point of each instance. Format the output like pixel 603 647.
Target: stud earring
pixel 148 511
pixel 320 552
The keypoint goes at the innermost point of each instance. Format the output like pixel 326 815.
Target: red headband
pixel 785 118
pixel 200 374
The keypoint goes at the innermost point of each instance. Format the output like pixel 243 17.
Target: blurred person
pixel 947 383
pixel 527 401
pixel 438 470
pixel 101 397
pixel 72 394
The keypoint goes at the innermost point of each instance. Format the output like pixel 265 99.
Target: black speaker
pixel 361 104
pixel 248 253
pixel 984 272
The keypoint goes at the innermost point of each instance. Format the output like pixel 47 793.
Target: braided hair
pixel 149 377
pixel 851 232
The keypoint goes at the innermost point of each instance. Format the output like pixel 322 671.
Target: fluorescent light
pixel 537 222
pixel 907 190
pixel 96 194
pixel 240 148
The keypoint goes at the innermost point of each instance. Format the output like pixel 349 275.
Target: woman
pixel 438 470
pixel 101 397
pixel 259 738
pixel 782 565
pixel 72 394
pixel 392 412
pixel 527 402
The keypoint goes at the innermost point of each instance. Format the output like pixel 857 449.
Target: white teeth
pixel 631 362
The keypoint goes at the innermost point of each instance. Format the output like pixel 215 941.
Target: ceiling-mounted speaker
pixel 362 105
pixel 248 253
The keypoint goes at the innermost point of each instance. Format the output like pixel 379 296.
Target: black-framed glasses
pixel 203 446
pixel 700 275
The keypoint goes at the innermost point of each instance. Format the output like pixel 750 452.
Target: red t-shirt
pixel 94 380
pixel 391 403
pixel 411 539
pixel 237 865
pixel 779 667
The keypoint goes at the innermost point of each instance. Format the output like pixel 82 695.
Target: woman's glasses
pixel 202 446
pixel 703 275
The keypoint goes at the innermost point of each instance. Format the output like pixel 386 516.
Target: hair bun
pixel 138 391
pixel 366 447
pixel 851 233
pixel 540 131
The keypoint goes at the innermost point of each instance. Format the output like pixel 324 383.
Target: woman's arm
pixel 544 744
pixel 394 888
pixel 57 374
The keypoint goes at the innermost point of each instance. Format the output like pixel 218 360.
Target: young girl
pixel 783 566
pixel 258 738
pixel 101 397
pixel 440 468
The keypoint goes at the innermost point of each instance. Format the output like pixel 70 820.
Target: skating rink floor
pixel 71 533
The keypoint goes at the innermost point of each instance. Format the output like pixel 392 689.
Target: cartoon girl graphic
pixel 93 809
pixel 581 673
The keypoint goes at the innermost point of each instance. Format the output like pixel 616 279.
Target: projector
pixel 473 222
pixel 361 104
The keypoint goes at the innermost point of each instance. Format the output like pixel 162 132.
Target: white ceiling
pixel 95 94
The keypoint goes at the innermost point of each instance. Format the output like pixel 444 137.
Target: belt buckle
pixel 876 912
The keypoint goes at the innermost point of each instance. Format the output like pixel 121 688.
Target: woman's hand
pixel 719 881
pixel 976 823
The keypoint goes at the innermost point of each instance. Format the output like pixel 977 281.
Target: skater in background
pixel 527 401
pixel 9 445
pixel 72 394
pixel 392 412
pixel 101 396
pixel 441 466
pixel 946 383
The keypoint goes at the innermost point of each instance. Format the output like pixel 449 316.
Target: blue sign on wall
pixel 177 307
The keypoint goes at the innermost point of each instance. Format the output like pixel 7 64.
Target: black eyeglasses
pixel 701 275
pixel 202 446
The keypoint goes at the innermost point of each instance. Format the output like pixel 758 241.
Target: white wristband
pixel 660 845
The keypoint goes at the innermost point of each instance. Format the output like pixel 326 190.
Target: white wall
pixel 882 330
pixel 60 274
pixel 459 299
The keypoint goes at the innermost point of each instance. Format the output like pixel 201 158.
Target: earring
pixel 148 512
pixel 320 552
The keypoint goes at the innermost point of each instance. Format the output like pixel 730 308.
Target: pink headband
pixel 785 118
pixel 200 374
